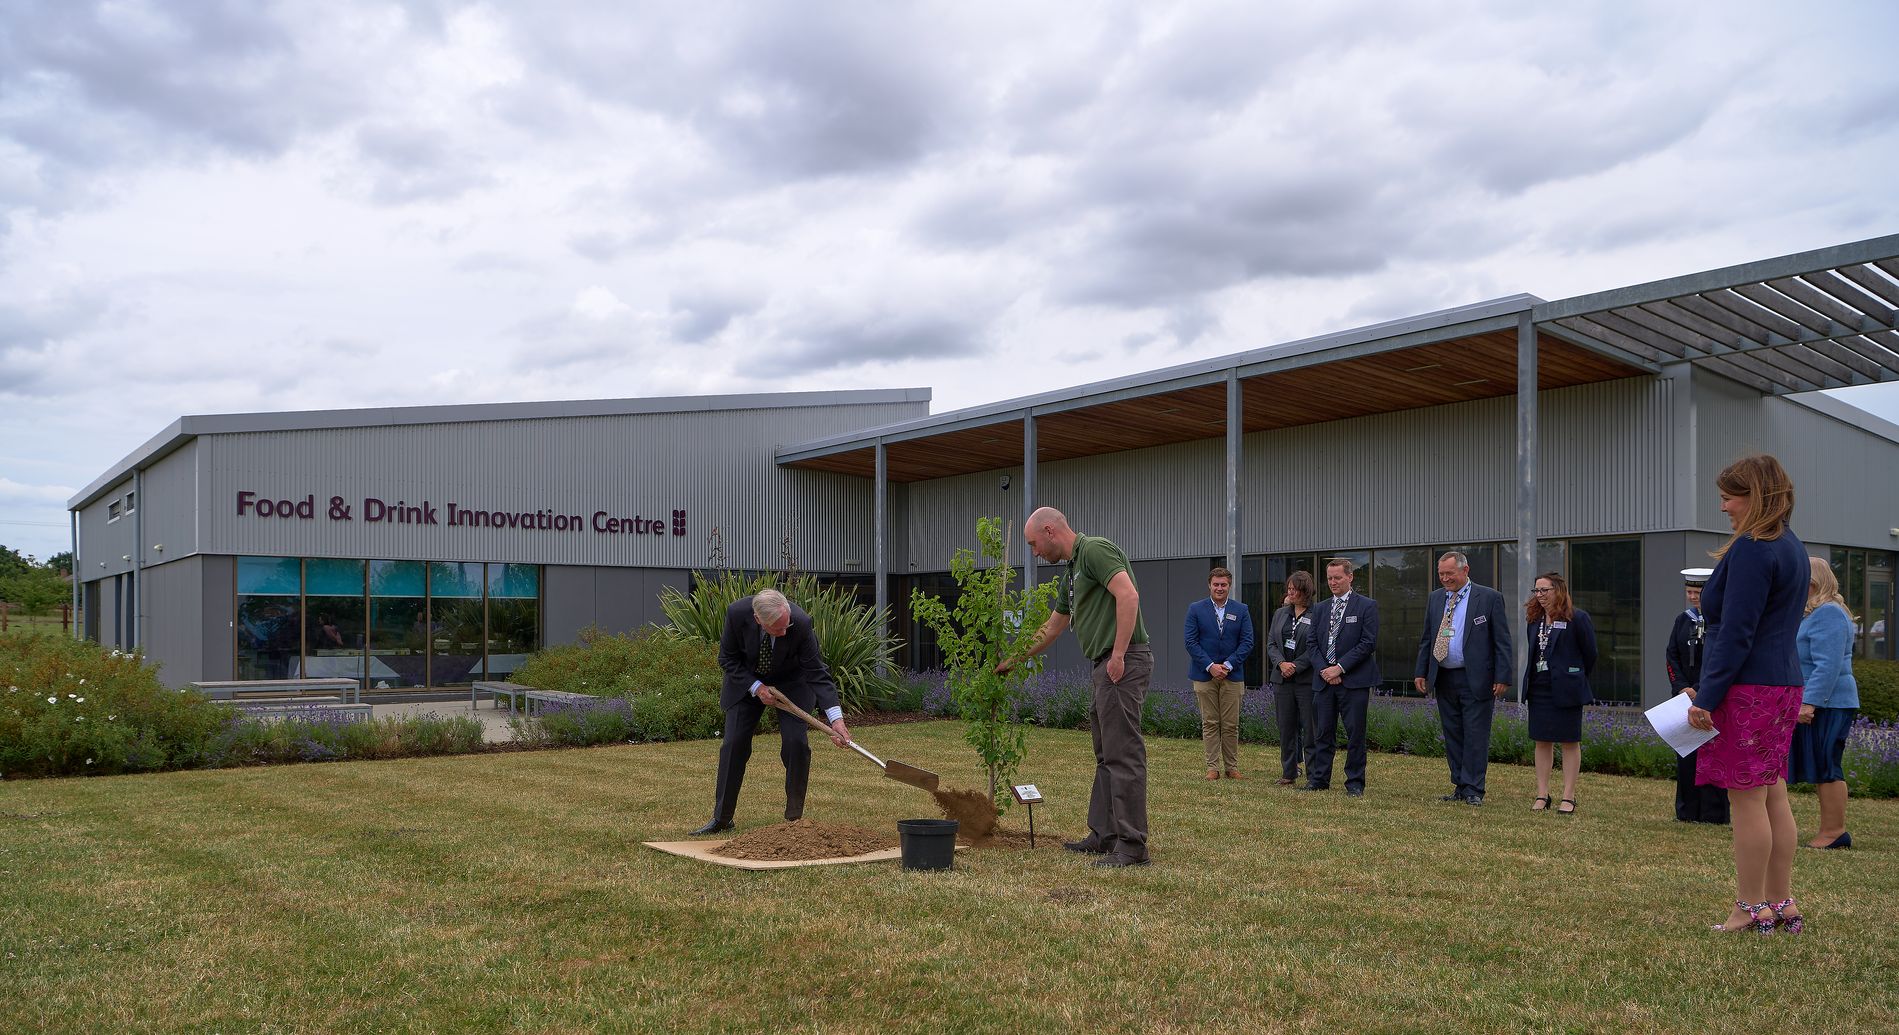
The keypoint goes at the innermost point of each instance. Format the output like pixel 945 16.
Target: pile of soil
pixel 973 812
pixel 805 839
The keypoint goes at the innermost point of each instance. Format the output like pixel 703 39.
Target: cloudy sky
pixel 234 205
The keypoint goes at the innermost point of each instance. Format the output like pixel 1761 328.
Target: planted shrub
pixel 651 685
pixel 1878 689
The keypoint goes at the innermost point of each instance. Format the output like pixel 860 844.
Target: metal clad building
pixel 430 545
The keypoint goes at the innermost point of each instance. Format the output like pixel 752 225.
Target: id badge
pixel 1292 643
pixel 1542 666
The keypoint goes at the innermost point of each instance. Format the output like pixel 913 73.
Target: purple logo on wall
pixel 376 511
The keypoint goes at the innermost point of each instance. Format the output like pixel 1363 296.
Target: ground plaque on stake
pixel 1028 795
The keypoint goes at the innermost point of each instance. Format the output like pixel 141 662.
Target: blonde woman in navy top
pixel 1750 687
pixel 1826 705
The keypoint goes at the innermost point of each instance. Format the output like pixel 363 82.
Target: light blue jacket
pixel 1825 643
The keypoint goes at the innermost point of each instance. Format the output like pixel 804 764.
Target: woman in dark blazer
pixel 1289 673
pixel 1556 684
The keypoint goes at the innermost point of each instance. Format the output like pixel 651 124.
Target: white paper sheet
pixel 1670 719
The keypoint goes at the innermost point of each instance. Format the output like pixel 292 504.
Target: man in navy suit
pixel 769 650
pixel 1219 637
pixel 1344 670
pixel 1464 661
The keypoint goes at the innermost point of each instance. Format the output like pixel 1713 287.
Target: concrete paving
pixel 493 717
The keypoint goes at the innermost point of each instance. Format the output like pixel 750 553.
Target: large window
pixel 390 624
pixel 1401 582
pixel 269 616
pixel 1605 579
pixel 1866 581
pixel 514 616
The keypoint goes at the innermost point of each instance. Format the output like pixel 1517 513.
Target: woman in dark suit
pixel 1289 672
pixel 1556 683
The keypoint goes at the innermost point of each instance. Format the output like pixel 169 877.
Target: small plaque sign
pixel 1026 793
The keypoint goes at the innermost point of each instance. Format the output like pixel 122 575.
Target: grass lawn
pixel 510 893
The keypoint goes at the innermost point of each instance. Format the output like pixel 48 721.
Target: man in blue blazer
pixel 1344 670
pixel 1464 660
pixel 1219 637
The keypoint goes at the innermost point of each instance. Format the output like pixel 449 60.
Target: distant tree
pixel 61 562
pixel 11 563
pixel 36 590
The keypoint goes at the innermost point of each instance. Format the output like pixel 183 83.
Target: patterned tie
pixel 1332 624
pixel 764 651
pixel 1441 650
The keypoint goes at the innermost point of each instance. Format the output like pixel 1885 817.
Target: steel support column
pixel 1526 473
pixel 1235 427
pixel 880 566
pixel 1028 495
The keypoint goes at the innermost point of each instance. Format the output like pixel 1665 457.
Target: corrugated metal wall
pixel 173 629
pixel 170 505
pixel 1443 474
pixel 716 466
pixel 101 539
pixel 1846 480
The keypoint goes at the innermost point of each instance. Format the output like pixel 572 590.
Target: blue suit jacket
pixel 1485 635
pixel 1572 657
pixel 1358 641
pixel 1229 644
pixel 1754 602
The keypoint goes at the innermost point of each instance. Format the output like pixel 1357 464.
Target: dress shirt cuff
pixel 833 713
pixel 755 685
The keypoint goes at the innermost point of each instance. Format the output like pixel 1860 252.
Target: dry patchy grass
pixel 510 892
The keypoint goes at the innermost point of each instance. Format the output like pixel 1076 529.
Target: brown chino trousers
pixel 1220 721
pixel 1117 806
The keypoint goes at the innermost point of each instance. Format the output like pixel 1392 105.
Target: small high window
pixel 131 502
pixel 114 511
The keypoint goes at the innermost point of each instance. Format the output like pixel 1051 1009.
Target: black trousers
pixel 1703 804
pixel 1465 712
pixel 1292 709
pixel 735 750
pixel 1330 706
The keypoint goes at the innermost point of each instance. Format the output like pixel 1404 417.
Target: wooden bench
pixel 526 695
pixel 237 689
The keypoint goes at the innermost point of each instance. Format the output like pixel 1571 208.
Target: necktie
pixel 1441 650
pixel 1332 630
pixel 764 652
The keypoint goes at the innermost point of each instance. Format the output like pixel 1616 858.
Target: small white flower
pixel 81 700
pixel 50 699
pixel 79 718
pixel 109 718
pixel 88 761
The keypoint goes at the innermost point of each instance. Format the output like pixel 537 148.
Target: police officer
pixel 1692 804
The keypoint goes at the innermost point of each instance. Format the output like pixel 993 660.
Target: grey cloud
pixel 700 313
pixel 838 340
pixel 415 163
pixel 31 334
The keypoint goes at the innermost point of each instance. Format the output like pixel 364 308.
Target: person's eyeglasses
pixel 1544 589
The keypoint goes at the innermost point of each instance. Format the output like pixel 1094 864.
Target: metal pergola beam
pixel 1878 250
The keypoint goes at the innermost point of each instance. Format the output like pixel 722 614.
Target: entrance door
pixel 1876 640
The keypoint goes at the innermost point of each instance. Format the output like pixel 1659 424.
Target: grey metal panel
pixel 219 615
pixel 716 466
pixel 905 402
pixel 567 602
pixel 173 628
pixel 170 505
pixel 938 517
pixel 1845 491
pixel 1167 501
pixel 103 539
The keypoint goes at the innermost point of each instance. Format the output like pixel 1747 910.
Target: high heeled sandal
pixel 1790 924
pixel 1756 922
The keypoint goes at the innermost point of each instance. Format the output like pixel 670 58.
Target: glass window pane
pixel 1401 582
pixel 519 581
pixel 1550 556
pixel 269 632
pixel 514 632
pixel 279 575
pixel 1606 581
pixel 398 642
pixel 455 579
pixel 335 634
pixel 456 640
pixel 396 578
pixel 327 577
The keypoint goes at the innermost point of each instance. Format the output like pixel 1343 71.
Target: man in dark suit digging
pixel 769 650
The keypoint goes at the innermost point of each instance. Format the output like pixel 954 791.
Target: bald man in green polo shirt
pixel 1097 596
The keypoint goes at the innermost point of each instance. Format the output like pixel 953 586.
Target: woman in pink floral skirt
pixel 1750 687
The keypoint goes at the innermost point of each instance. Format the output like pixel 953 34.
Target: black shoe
pixel 1450 798
pixel 1354 792
pixel 1308 787
pixel 1115 860
pixel 793 817
pixel 717 826
pixel 1474 799
pixel 1086 846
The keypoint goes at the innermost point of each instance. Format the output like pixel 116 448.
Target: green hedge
pixel 650 686
pixel 1878 689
